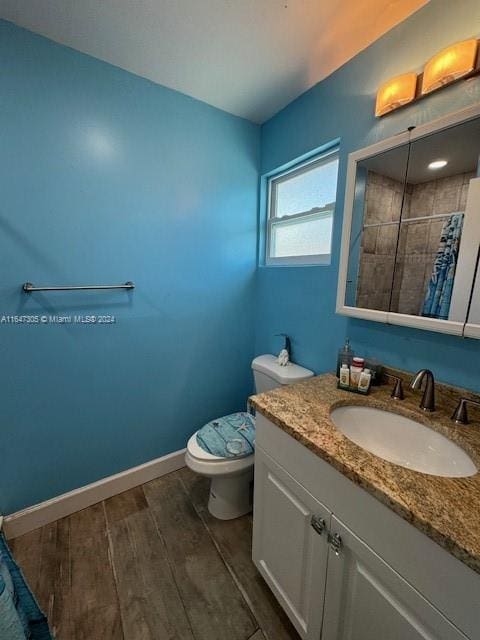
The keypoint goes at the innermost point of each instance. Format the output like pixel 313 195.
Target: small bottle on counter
pixel 355 371
pixel 364 381
pixel 344 375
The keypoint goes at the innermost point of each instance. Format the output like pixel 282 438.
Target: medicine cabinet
pixel 411 230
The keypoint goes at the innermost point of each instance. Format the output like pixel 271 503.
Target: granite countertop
pixel 445 509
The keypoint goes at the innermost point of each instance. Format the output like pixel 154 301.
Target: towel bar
pixel 28 287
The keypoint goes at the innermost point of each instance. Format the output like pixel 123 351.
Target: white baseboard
pixel 43 513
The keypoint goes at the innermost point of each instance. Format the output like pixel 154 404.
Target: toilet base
pixel 231 496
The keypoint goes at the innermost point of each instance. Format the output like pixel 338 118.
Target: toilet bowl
pixel 231 480
pixel 231 486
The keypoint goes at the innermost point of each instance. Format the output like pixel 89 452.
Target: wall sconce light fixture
pixel 449 65
pixel 459 60
pixel 395 93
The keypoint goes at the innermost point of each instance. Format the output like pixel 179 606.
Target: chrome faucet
pixel 428 400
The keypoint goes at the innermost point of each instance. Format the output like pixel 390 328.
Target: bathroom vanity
pixel 355 547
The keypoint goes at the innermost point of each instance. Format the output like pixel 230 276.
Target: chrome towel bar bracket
pixel 28 287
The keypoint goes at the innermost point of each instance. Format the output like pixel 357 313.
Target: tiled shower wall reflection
pixel 383 204
pixel 418 242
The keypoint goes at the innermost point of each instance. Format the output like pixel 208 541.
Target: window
pixel 300 212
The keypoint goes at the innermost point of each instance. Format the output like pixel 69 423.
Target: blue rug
pixel 20 616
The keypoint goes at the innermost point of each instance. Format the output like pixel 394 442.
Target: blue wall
pixel 107 177
pixel 300 301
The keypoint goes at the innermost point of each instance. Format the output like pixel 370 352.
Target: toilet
pixel 231 486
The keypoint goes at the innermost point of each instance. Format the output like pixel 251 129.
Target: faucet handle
pixel 397 391
pixel 460 415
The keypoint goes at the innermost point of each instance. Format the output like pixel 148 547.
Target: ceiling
pixel 458 145
pixel 248 57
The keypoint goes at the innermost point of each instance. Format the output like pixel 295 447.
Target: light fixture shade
pixel 395 93
pixel 450 64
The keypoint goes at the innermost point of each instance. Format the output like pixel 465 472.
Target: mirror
pixel 440 168
pixel 408 220
pixel 470 255
pixel 472 328
pixel 377 209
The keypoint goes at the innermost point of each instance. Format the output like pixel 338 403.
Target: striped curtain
pixel 439 291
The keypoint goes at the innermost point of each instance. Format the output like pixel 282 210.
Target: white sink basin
pixel 403 441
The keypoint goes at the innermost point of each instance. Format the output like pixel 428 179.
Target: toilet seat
pixel 207 464
pixel 197 452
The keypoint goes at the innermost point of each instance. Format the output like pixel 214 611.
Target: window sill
pixel 300 261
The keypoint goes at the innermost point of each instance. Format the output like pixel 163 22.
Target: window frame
pixel 272 181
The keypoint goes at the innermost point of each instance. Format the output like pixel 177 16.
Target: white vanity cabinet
pixel 365 574
pixel 366 598
pixel 290 545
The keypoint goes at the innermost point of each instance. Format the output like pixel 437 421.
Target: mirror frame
pixel 406 137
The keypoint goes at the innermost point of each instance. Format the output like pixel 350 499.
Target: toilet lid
pixel 231 436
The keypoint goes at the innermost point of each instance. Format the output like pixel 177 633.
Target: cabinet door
pixel 466 295
pixel 289 548
pixel 472 327
pixel 366 599
pixel 376 197
pixel 436 225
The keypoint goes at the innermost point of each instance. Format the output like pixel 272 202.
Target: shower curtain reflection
pixel 440 287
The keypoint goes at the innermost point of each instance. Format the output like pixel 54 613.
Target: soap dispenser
pixel 345 356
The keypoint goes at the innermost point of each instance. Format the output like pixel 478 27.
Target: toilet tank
pixel 268 374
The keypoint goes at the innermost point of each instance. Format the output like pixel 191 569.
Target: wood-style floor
pixel 151 564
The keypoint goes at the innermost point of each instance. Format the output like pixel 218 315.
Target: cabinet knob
pixel 335 542
pixel 318 524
